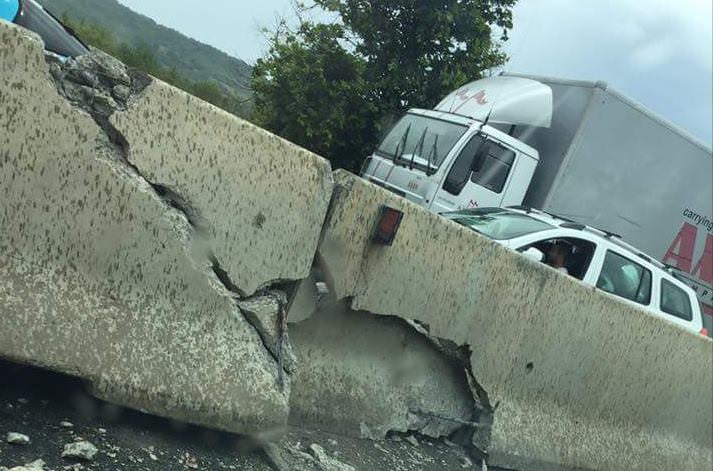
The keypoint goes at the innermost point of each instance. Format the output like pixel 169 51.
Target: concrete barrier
pixel 576 379
pixel 262 199
pixel 148 237
pixel 366 375
pixel 104 275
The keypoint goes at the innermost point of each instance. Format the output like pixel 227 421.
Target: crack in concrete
pixel 475 432
pixel 276 348
pixel 100 85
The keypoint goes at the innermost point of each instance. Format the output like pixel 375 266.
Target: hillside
pixel 191 59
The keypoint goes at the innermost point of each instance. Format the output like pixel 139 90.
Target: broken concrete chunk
pixel 263 312
pixel 412 440
pixel 106 67
pixel 327 463
pixel 121 92
pixel 190 461
pixel 83 450
pixel 65 424
pixel 37 465
pixel 17 438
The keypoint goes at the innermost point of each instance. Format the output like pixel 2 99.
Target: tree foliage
pixel 312 92
pixel 418 49
pixel 328 87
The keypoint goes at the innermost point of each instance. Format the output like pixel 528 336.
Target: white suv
pixel 593 256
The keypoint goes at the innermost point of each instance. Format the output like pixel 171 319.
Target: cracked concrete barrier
pixel 260 199
pixel 364 375
pixel 105 275
pixel 575 378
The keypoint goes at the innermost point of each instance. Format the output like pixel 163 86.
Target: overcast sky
pixel 657 51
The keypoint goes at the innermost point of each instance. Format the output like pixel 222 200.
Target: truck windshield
pixel 498 224
pixel 421 139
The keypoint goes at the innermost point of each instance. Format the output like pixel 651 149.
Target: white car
pixel 595 257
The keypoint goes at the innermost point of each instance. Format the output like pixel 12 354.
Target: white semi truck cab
pixel 454 157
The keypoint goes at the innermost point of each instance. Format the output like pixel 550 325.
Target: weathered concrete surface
pixel 578 379
pixel 366 375
pixel 262 200
pixel 100 277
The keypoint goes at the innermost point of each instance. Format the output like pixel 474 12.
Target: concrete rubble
pixel 326 462
pixel 37 465
pixel 16 438
pixel 82 450
pixel 137 441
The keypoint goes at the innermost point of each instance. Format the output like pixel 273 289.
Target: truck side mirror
pixel 464 165
pixel 534 254
pixel 479 158
pixel 457 178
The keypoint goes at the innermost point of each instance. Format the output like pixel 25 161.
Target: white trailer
pixel 576 149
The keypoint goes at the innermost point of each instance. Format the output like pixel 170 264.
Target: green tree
pixel 328 87
pixel 312 91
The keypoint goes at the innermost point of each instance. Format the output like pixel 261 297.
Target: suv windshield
pixel 498 224
pixel 421 139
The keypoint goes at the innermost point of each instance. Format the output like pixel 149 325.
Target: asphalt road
pixel 36 402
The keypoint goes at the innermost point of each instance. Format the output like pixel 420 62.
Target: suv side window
pixel 675 301
pixel 625 278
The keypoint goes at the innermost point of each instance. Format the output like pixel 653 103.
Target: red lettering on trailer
pixel 707 310
pixel 704 268
pixel 681 250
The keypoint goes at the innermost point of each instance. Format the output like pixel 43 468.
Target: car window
pixel 486 164
pixel 493 167
pixel 675 301
pixel 498 225
pixel 625 278
pixel 427 138
pixel 577 253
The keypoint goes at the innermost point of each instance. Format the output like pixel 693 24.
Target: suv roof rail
pixel 609 234
pixel 557 216
pixel 573 225
pixel 527 209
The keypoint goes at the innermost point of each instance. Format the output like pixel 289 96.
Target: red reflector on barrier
pixel 704 332
pixel 389 221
